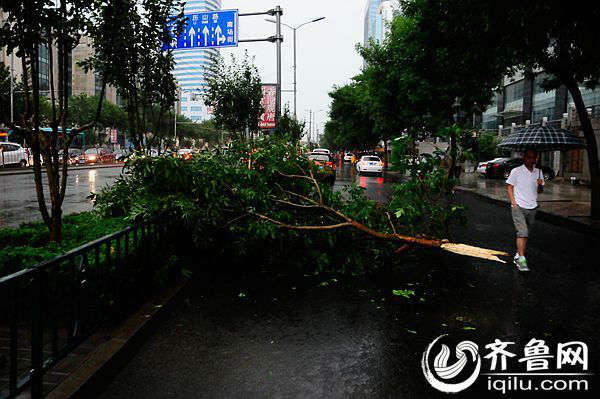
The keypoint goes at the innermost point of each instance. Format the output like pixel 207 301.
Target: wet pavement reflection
pixel 18 199
pixel 376 188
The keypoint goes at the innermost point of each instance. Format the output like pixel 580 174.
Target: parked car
pixel 348 157
pixel 96 155
pixel 502 168
pixel 370 164
pixel 12 154
pixel 481 167
pixel 326 166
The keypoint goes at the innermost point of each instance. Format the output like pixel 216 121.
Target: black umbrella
pixel 542 138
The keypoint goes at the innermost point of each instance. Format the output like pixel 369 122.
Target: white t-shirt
pixel 525 186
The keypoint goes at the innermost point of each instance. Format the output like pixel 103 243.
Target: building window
pixel 184 109
pixel 196 109
pixel 43 77
pixel 514 91
pixel 542 102
pixel 513 95
pixel 97 84
pixel 590 97
pixel 184 99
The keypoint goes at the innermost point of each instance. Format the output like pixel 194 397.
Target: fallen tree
pixel 256 196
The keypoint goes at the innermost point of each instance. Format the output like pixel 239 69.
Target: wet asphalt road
pixel 18 199
pixel 376 188
pixel 300 339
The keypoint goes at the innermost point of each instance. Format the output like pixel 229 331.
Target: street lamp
pixel 313 125
pixel 295 29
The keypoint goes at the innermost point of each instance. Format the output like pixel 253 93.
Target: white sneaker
pixel 521 263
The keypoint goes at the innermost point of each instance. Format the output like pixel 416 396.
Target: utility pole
pixel 279 38
pixel 12 89
pixel 310 128
pixel 295 85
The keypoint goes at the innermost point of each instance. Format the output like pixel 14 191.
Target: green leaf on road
pixel 404 293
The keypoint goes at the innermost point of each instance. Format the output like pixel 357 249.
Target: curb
pixel 541 215
pixel 123 341
pixel 70 169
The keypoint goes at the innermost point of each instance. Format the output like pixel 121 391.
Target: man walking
pixel 522 191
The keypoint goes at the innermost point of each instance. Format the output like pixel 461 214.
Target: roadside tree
pixel 30 28
pixel 235 95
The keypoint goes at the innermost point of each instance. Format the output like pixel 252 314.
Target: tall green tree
pixel 488 40
pixel 350 124
pixel 562 40
pixel 415 76
pixel 235 95
pixel 128 38
pixel 32 26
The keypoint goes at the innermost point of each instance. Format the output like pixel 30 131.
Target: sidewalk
pixel 560 201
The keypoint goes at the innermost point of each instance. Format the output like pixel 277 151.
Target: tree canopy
pixel 350 124
pixel 235 95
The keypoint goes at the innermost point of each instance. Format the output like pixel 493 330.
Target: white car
pixel 13 154
pixel 348 157
pixel 321 151
pixel 481 166
pixel 370 164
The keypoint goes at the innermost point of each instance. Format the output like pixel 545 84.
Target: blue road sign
pixel 212 29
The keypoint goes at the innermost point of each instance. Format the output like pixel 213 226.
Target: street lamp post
pixel 295 65
pixel 12 88
pixel 313 124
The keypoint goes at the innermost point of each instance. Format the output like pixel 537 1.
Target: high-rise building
pixel 371 20
pixel 89 83
pixel 386 12
pixel 193 66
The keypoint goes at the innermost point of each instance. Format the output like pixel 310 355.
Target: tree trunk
pixel 592 147
pixel 56 225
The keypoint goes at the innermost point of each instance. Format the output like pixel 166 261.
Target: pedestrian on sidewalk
pixel 522 187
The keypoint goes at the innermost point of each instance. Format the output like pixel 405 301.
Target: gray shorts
pixel 523 219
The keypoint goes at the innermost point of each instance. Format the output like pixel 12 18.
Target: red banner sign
pixel 267 119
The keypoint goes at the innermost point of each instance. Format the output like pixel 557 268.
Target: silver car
pixel 12 154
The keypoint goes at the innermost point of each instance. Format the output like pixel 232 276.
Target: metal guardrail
pixel 54 306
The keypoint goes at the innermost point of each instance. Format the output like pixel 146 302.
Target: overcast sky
pixel 325 50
